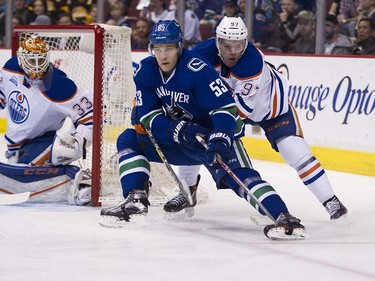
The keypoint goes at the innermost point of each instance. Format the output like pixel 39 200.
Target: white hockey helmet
pixel 231 28
pixel 33 57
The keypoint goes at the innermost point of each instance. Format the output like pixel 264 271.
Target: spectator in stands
pixel 284 31
pixel 305 44
pixel 141 34
pixel 80 15
pixel 336 43
pixel 20 11
pixel 65 19
pixel 230 8
pixel 40 16
pixel 157 10
pixel 117 11
pixel 366 9
pixel 93 13
pixel 192 34
pixel 209 19
pixel 16 21
pixel 267 6
pixel 347 16
pixel 214 7
pixel 365 44
pixel 261 24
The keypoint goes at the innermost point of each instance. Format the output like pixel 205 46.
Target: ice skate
pixel 132 210
pixel 286 227
pixel 335 208
pixel 179 202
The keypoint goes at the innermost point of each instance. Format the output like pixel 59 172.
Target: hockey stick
pixel 9 199
pixel 182 185
pixel 237 180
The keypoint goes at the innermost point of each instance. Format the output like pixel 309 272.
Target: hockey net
pixel 98 57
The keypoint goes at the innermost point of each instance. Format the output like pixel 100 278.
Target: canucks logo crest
pixel 161 27
pixel 19 107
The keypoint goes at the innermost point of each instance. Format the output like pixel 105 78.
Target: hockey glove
pixel 184 133
pixel 219 144
pixel 135 120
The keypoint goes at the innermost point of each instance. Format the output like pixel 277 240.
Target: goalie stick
pixel 16 198
pixel 182 185
pixel 237 180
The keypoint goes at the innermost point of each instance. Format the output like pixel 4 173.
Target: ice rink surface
pixel 45 242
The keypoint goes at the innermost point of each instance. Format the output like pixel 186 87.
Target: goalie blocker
pixel 45 183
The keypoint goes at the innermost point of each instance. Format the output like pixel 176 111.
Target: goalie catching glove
pixel 70 143
pixel 184 133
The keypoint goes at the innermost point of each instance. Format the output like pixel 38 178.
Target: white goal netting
pixel 99 58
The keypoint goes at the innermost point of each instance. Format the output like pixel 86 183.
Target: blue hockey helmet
pixel 166 32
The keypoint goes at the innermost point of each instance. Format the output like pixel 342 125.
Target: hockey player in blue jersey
pixel 178 97
pixel 261 95
pixel 49 122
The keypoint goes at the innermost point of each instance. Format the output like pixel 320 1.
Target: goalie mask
pixel 165 32
pixel 33 57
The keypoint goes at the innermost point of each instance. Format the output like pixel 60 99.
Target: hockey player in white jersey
pixel 49 123
pixel 261 95
pixel 178 97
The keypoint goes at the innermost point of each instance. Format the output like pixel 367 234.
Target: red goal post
pixel 97 57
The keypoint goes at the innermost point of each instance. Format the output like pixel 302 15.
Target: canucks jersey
pixel 193 92
pixel 260 92
pixel 31 112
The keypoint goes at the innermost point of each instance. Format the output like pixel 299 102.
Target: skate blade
pixel 344 220
pixel 278 233
pixel 114 222
pixel 187 213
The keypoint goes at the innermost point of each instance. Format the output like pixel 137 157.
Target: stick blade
pixel 17 198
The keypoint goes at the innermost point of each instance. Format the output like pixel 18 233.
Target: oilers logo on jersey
pixel 19 107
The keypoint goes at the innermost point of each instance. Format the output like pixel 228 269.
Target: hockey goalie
pixel 49 125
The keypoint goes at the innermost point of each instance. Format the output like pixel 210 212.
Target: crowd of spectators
pixel 282 26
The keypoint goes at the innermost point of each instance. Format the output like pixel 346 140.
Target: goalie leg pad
pixel 46 183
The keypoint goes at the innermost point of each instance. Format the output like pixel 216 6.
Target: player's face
pixel 166 55
pixel 231 50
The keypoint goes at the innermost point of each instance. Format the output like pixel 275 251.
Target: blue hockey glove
pixel 219 143
pixel 184 133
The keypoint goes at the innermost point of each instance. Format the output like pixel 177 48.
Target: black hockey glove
pixel 219 143
pixel 184 133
